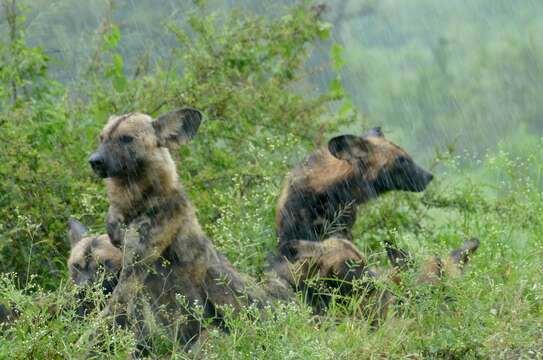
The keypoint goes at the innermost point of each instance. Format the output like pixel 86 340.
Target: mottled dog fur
pixel 434 268
pixel 335 267
pixel 320 197
pixel 89 254
pixel 165 251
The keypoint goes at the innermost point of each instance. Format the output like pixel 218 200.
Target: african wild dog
pixel 433 268
pixel 320 197
pixel 92 258
pixel 333 267
pixel 90 253
pixel 165 251
pixel 87 256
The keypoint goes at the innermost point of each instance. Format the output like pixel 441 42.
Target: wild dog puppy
pixel 88 256
pixel 337 265
pixel 166 255
pixel 321 196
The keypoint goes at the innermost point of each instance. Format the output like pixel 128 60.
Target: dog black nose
pixel 96 161
pixel 98 164
pixel 430 177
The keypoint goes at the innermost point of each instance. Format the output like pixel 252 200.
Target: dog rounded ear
pixel 376 132
pixel 77 231
pixel 178 126
pixel 348 147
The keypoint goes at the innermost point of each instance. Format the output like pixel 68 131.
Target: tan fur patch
pixel 382 156
pixel 326 258
pixel 88 253
pixel 135 124
pixel 430 271
pixel 161 177
pixel 324 171
pixel 451 268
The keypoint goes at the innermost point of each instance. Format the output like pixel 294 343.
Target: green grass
pixel 494 311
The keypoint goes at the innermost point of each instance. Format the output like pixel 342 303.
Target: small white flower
pixel 494 311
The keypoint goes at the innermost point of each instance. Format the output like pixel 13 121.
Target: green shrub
pixel 244 74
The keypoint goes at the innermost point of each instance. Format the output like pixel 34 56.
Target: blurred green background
pixel 466 72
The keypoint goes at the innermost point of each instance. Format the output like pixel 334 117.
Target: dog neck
pixel 327 174
pixel 129 194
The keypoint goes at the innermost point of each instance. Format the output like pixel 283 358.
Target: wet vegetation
pixel 457 85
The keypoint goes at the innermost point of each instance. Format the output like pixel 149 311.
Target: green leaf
pixel 111 38
pixel 120 83
pixel 324 30
pixel 336 54
pixel 118 64
pixel 336 88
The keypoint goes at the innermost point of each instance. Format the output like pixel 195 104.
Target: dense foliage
pixel 254 78
pixel 241 73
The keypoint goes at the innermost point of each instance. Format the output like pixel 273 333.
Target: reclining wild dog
pixel 165 251
pixel 328 268
pixel 434 268
pixel 320 197
pixel 336 262
pixel 336 266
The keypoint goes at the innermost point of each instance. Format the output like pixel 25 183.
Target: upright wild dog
pixel 165 252
pixel 321 196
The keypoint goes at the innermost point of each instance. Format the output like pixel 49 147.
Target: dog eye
pixel 108 264
pixel 402 160
pixel 125 139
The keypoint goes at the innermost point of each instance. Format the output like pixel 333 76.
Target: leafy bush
pixel 245 76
